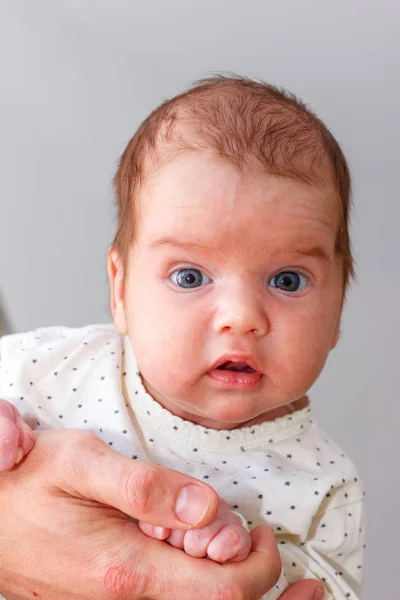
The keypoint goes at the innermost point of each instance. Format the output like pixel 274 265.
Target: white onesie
pixel 285 472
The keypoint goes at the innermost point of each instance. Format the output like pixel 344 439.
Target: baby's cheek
pixel 295 367
pixel 179 381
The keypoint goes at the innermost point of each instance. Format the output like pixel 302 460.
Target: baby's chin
pixel 223 413
pixel 222 417
pixel 268 415
pixel 228 420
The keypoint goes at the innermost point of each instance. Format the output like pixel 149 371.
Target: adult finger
pixel 87 467
pixel 306 589
pixel 90 550
pixel 203 578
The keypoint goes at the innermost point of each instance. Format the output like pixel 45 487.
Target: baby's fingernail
pixel 158 531
pixel 20 455
pixel 192 504
pixel 319 593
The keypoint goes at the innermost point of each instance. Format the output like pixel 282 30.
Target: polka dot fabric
pixel 285 472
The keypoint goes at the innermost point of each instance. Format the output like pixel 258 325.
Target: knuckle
pixel 233 535
pixel 143 489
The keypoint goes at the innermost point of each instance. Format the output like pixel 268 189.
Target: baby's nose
pixel 242 312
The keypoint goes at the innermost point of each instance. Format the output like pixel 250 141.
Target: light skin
pixel 239 230
pixel 265 289
pixel 77 544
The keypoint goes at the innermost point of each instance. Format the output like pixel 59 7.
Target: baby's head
pixel 232 257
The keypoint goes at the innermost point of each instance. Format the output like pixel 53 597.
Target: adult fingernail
pixel 192 504
pixel 20 455
pixel 319 593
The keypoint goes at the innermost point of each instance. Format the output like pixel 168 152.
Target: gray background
pixel 77 77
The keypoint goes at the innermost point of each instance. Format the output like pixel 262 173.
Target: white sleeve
pixel 333 550
pixel 241 519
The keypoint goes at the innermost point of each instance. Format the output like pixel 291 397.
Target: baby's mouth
pixel 241 367
pixel 235 374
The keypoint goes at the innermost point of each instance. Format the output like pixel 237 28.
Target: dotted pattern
pixel 286 472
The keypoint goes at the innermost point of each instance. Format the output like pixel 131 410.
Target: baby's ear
pixel 116 279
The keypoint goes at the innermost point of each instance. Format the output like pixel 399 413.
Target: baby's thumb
pixel 305 589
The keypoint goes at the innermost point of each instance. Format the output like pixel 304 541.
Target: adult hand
pixel 64 533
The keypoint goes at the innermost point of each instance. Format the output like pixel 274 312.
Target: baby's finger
pixel 176 538
pixel 9 438
pixel 197 541
pixel 232 543
pixel 26 439
pixel 159 533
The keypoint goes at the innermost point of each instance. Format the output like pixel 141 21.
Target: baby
pixel 228 275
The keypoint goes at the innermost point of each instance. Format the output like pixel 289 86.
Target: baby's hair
pixel 250 123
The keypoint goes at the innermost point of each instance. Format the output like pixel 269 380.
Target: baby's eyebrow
pixel 312 250
pixel 316 251
pixel 166 241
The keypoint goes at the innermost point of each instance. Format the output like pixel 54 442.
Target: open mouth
pixel 235 374
pixel 240 367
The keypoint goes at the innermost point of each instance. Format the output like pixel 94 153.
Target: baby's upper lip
pixel 233 357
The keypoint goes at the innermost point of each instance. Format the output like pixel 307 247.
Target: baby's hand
pixel 224 539
pixel 16 437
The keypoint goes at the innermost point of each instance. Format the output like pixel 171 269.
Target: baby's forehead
pixel 287 146
pixel 174 160
pixel 202 193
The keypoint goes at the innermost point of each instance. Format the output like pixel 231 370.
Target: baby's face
pixel 232 293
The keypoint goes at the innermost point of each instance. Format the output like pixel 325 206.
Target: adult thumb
pixel 87 467
pixel 305 589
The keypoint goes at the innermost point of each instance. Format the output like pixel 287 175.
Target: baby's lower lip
pixel 240 380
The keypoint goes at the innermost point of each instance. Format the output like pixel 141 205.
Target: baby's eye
pixel 189 278
pixel 289 281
